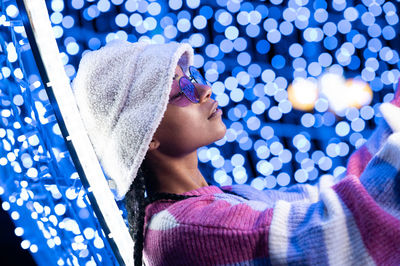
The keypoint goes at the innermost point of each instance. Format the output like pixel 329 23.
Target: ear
pixel 154 144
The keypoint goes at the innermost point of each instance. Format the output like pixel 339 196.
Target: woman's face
pixel 187 126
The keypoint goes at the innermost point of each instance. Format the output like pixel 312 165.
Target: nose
pixel 204 92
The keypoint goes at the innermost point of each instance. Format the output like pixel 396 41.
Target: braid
pixel 136 203
pixel 233 193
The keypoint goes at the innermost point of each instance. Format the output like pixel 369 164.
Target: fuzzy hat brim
pixel 122 92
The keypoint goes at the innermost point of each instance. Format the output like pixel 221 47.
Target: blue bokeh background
pixel 251 51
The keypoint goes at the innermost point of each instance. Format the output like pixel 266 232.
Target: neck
pixel 175 174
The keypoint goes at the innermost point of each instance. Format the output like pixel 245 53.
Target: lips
pixel 213 109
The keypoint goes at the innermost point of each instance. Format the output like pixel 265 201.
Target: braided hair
pixel 135 204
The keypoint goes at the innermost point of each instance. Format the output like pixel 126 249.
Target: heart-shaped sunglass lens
pixel 197 76
pixel 189 89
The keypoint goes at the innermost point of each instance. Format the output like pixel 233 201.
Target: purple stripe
pixel 379 230
pixel 358 161
pixel 211 232
pixel 396 100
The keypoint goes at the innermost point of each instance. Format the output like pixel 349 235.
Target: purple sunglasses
pixel 187 87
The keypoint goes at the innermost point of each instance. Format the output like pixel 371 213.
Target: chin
pixel 221 131
pixel 217 135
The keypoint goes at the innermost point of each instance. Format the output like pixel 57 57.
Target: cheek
pixel 181 127
pixel 181 121
pixel 172 123
pixel 182 101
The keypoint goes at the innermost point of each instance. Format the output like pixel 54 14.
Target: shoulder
pixel 222 210
pixel 191 230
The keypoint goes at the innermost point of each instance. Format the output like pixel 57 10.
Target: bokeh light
pixel 303 94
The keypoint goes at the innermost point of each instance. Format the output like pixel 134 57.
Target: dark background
pixel 11 252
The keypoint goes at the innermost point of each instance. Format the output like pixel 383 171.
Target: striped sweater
pixel 353 220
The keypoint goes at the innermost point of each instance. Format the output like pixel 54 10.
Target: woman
pixel 147 112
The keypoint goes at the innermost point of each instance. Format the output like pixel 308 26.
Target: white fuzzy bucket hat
pixel 122 92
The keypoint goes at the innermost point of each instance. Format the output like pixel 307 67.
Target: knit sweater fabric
pixel 350 220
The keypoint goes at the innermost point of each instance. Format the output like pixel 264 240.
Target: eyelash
pixel 178 95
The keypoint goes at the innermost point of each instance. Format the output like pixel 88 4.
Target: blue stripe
pixel 385 190
pixel 306 245
pixel 378 137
